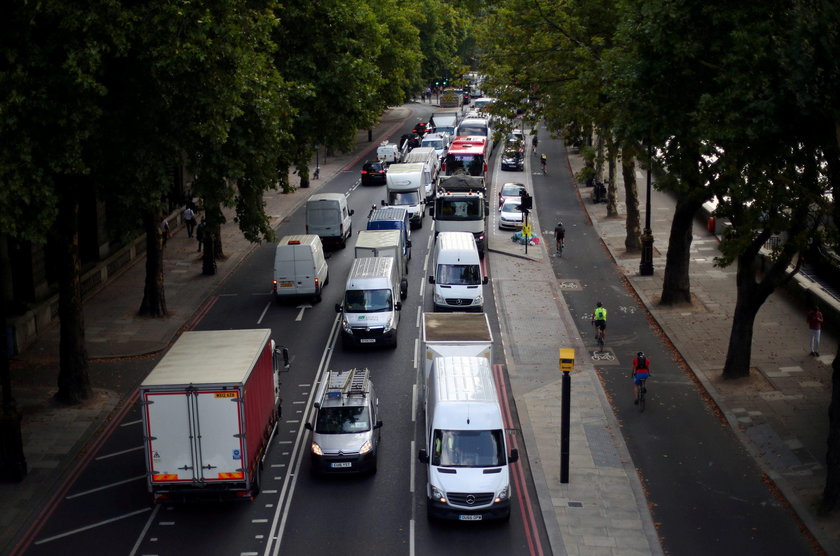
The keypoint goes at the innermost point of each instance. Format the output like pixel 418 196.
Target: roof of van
pixel 378 238
pixel 456 240
pixel 389 213
pixel 299 239
pixel 405 168
pixel 369 267
pixel 326 197
pixel 420 154
pixel 465 379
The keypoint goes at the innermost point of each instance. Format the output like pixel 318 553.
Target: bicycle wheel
pixel 600 341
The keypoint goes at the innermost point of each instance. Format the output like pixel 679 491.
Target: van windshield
pixel 458 274
pixel 468 448
pixel 368 301
pixel 436 144
pixel 342 420
pixel 317 216
pixel 398 198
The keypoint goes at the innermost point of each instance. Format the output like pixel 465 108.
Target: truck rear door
pixel 194 436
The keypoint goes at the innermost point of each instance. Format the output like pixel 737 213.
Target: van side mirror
pixel 308 426
pixel 338 307
pixel 397 306
pixel 431 210
pixel 431 279
pixel 514 456
pixel 352 212
pixel 382 202
pixel 284 353
pixel 486 279
pixel 423 456
pixel 409 243
pixel 378 425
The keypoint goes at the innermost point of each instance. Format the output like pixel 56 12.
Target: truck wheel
pixel 257 485
pixel 403 289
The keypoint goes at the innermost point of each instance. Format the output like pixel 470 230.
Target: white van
pixel 439 141
pixel 384 243
pixel 457 273
pixel 300 267
pixel 465 452
pixel 388 153
pixel 428 157
pixel 371 305
pixel 328 216
pixel 406 187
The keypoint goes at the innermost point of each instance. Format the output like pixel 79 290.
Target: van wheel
pixel 327 279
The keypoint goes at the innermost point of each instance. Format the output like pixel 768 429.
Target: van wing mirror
pixel 378 425
pixel 382 202
pixel 338 307
pixel 423 456
pixel 486 279
pixel 308 426
pixel 514 456
pixel 397 306
pixel 352 212
pixel 431 279
pixel 409 243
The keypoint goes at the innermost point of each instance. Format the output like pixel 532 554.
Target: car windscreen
pixel 397 198
pixel 471 164
pixel 459 208
pixel 367 301
pixel 512 208
pixel 512 190
pixel 454 448
pixel 342 420
pixel 458 274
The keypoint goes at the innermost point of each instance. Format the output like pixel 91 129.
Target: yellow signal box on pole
pixel 567 360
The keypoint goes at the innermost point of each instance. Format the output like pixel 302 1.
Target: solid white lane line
pixel 413 469
pixel 413 402
pixel 416 352
pixel 92 526
pixel 103 487
pixel 145 530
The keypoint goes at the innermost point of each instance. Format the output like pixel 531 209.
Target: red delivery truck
pixel 210 408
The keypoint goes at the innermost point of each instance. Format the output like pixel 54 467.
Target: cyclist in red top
pixel 641 371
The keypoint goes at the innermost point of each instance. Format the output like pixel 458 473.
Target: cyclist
pixel 543 161
pixel 560 236
pixel 599 320
pixel 641 371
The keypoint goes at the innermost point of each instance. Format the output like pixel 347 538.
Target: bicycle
pixel 640 399
pixel 559 247
pixel 599 337
pixel 542 163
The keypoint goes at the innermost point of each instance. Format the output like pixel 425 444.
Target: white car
pixel 511 217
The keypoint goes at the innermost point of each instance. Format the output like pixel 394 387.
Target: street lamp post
pixel 646 264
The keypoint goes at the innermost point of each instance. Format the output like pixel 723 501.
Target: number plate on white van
pixel 286 284
pixel 341 464
pixel 469 517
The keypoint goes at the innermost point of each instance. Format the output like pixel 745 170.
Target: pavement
pixel 779 412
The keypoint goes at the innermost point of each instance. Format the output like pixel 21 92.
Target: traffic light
pixel 527 202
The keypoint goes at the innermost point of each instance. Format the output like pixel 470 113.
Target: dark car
pixel 373 172
pixel 420 128
pixel 513 159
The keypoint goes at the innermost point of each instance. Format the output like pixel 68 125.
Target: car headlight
pixel 345 325
pixel 438 495
pixel 316 449
pixel 503 494
pixel 438 298
pixel 478 300
pixel 366 447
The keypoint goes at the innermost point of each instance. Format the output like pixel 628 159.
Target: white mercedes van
pixel 457 273
pixel 465 452
pixel 300 267
pixel 371 305
pixel 328 216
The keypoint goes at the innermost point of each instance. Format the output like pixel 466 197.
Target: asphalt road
pixel 109 510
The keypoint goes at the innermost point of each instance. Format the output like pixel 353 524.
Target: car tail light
pixel 364 172
pixel 317 284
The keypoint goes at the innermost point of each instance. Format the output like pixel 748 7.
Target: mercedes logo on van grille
pixel 470 499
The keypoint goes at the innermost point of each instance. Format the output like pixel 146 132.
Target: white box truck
pixel 406 187
pixel 385 243
pixel 448 334
pixel 461 206
pixel 465 446
pixel 210 408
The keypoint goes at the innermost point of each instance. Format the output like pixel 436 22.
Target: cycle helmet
pixel 640 355
pixel 598 304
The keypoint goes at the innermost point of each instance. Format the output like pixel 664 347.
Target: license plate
pixel 341 464
pixel 286 284
pixel 367 341
pixel 469 517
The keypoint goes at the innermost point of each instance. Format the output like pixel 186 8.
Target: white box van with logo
pixel 457 273
pixel 427 156
pixel 328 216
pixel 300 267
pixel 406 187
pixel 465 452
pixel 371 305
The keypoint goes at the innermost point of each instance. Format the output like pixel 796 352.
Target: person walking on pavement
pixel 164 231
pixel 641 372
pixel 189 220
pixel 815 320
pixel 199 234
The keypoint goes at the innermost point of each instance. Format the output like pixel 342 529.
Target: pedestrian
pixel 189 220
pixel 164 230
pixel 815 320
pixel 199 234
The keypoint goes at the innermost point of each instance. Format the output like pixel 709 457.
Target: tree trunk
pixel 599 157
pixel 612 155
pixel 73 379
pixel 633 240
pixel 154 294
pixel 831 493
pixel 676 285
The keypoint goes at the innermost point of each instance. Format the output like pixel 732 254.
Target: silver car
pixel 510 217
pixel 345 428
